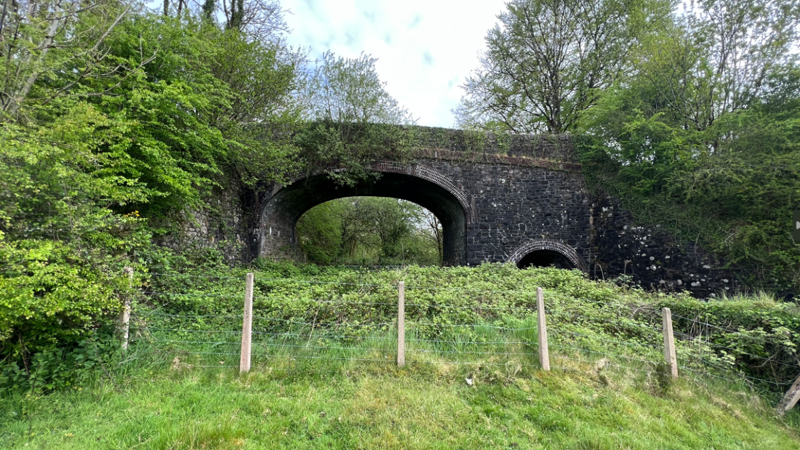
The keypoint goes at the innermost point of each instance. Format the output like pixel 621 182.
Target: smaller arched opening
pixel 545 258
pixel 543 253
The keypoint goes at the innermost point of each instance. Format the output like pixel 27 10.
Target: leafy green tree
pixel 548 61
pixel 703 135
pixel 353 118
pixel 132 125
pixel 348 90
pixel 713 61
pixel 367 230
pixel 62 248
pixel 48 47
pixel 320 232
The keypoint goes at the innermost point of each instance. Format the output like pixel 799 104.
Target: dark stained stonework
pixel 222 225
pixel 495 207
pixel 652 257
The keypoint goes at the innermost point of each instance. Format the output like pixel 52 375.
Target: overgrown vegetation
pixel 757 337
pixel 160 389
pixel 370 231
pixel 692 122
pixel 116 120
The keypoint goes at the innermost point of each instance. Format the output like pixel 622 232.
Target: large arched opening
pixel 287 205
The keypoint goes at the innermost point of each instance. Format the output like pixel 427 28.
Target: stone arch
pixel 548 249
pixel 435 177
pixel 416 183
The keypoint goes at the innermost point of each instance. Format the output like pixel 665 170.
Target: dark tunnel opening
pixel 545 258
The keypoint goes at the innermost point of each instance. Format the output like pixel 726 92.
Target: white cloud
pixel 425 49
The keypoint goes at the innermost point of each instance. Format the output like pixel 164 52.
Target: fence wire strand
pixel 323 331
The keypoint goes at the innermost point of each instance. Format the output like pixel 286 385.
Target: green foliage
pixel 57 368
pixel 193 107
pixel 585 315
pixel 49 47
pixel 345 151
pixel 703 137
pixel 353 120
pixel 548 61
pixel 62 246
pixel 757 338
pixel 320 232
pixel 348 90
pixel 732 186
pixel 369 230
pixel 109 144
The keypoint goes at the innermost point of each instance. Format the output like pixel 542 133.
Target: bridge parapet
pixel 543 147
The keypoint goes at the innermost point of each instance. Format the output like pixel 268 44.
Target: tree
pixel 704 132
pixel 369 230
pixel 548 61
pixel 717 59
pixel 432 231
pixel 130 126
pixel 348 90
pixel 259 20
pixel 319 232
pixel 694 77
pixel 63 39
pixel 263 113
pixel 353 119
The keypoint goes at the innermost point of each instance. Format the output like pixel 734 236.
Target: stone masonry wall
pixel 220 225
pixel 652 257
pixel 515 205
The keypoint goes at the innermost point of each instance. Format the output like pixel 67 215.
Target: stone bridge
pixel 526 204
pixel 529 208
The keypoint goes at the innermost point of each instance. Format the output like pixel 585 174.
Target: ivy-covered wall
pixel 221 225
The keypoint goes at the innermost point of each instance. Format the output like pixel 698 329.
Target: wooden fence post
pixel 790 398
pixel 669 344
pixel 247 326
pixel 544 352
pixel 125 315
pixel 401 324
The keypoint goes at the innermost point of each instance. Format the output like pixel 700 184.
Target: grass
pixel 370 405
pixel 324 374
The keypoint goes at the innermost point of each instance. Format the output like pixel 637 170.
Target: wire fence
pixel 341 324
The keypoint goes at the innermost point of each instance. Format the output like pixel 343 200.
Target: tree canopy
pixel 687 111
pixel 548 61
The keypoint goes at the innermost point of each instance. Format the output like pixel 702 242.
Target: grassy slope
pixel 389 408
pixel 373 405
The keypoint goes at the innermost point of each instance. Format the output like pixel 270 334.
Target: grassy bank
pixel 324 374
pixel 379 406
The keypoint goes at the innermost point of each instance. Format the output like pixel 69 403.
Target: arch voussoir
pixel 435 177
pixel 543 244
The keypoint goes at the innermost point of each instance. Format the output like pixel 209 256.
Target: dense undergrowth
pixel 324 371
pixel 753 337
pixel 605 391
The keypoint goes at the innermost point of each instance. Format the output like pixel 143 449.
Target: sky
pixel 425 49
